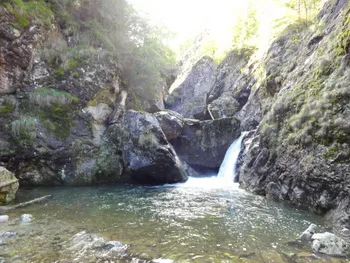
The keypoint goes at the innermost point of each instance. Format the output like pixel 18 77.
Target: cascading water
pixel 227 169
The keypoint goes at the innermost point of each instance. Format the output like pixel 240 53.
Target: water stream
pixel 203 220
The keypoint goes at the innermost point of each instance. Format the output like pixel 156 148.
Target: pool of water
pixel 202 220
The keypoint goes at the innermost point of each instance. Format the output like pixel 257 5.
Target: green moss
pixel 75 74
pixel 103 96
pixel 343 39
pixel 57 120
pixel 6 109
pixel 59 72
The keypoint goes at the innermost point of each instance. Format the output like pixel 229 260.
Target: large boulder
pixel 8 186
pixel 204 143
pixel 147 155
pixel 190 97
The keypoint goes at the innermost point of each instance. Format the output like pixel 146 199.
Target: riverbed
pixel 202 220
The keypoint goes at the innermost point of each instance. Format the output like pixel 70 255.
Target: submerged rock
pixel 9 234
pixel 330 244
pixel 26 218
pixel 4 218
pixel 8 186
pixel 147 155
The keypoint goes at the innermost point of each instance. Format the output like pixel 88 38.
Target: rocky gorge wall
pixel 295 102
pixel 63 116
pixel 300 151
pixel 64 119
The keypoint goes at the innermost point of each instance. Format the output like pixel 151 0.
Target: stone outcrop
pixel 147 155
pixel 190 97
pixel 8 186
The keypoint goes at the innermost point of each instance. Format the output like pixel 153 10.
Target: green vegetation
pixel 245 31
pixel 343 40
pixel 24 129
pixel 48 97
pixel 6 109
pixel 26 11
pixel 55 109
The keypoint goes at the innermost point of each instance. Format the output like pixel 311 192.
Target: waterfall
pixel 227 171
pixel 226 174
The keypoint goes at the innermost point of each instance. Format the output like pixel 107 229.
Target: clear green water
pixel 199 221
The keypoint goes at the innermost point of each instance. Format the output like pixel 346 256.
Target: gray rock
pixel 9 234
pixel 147 156
pixel 190 97
pixel 8 186
pixel 162 260
pixel 4 218
pixel 205 143
pixel 250 114
pixel 308 233
pixel 26 218
pixel 86 247
pixel 223 107
pixel 171 122
pixel 329 244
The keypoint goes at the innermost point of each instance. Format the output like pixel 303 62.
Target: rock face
pixel 8 186
pixel 190 98
pixel 204 143
pixel 147 155
pixel 330 244
pixel 199 143
pixel 300 151
pixel 231 95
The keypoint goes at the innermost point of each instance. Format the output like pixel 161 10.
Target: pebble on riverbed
pixel 4 218
pixel 9 234
pixel 26 218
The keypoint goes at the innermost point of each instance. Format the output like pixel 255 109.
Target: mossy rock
pixel 8 186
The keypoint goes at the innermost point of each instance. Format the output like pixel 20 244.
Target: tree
pixel 245 30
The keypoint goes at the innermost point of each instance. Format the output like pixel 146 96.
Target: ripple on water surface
pixel 203 220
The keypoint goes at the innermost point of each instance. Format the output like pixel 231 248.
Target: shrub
pixel 49 97
pixel 25 127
